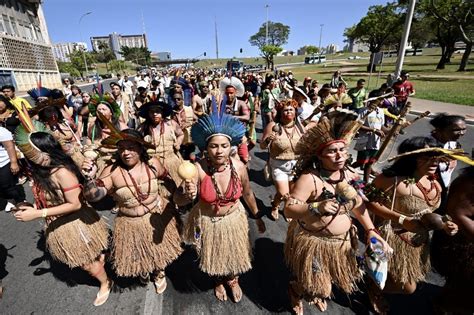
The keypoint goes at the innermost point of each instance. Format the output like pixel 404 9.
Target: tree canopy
pixel 139 55
pixel 278 34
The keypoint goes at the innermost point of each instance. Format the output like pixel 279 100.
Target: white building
pixel 25 47
pixel 332 49
pixel 61 51
pixel 355 46
pixel 116 41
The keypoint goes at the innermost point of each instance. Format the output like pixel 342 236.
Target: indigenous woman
pixel 51 112
pixel 400 196
pixel 75 234
pixel 165 135
pixel 280 137
pixel 145 238
pixel 321 239
pixel 8 116
pixel 457 252
pixel 98 130
pixel 217 225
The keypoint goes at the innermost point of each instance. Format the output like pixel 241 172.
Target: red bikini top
pixel 208 192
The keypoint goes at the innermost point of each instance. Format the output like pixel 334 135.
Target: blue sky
pixel 186 27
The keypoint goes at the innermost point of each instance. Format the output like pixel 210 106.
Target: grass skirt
pixel 145 244
pixel 77 239
pixel 318 261
pixel 408 264
pixel 224 245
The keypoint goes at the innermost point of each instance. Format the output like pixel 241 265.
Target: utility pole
pixel 266 32
pixel 80 35
pixel 217 43
pixel 320 37
pixel 404 41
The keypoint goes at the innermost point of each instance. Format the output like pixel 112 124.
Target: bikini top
pixel 208 193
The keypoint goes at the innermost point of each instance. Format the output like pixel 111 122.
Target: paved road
pixel 34 285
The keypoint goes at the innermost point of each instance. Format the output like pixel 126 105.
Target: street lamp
pixel 266 32
pixel 80 35
pixel 320 36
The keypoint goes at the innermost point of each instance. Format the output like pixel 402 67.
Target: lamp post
pixel 404 39
pixel 320 37
pixel 266 31
pixel 80 34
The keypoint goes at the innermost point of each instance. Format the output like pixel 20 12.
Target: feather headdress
pixel 232 81
pixel 45 97
pixel 340 125
pixel 116 135
pixel 105 99
pixel 23 139
pixel 217 123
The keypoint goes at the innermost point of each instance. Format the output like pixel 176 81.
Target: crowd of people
pixel 169 154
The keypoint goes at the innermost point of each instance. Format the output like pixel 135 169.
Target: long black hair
pixel 42 174
pixel 48 112
pixel 406 166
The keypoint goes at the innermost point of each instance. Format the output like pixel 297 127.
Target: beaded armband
pixel 293 201
pixel 375 194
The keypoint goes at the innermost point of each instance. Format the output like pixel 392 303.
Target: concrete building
pixel 116 41
pixel 332 49
pixel 162 55
pixel 355 46
pixel 25 47
pixel 61 51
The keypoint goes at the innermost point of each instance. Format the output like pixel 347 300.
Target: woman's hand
pixel 89 168
pixel 450 228
pixel 386 248
pixel 261 225
pixel 412 225
pixel 26 214
pixel 328 207
pixel 190 189
pixel 14 168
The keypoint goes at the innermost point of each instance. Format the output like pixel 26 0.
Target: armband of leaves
pixel 375 194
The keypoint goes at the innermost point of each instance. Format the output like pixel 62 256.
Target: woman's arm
pixel 95 190
pixel 10 148
pixel 69 184
pixel 385 184
pixel 267 136
pixel 249 196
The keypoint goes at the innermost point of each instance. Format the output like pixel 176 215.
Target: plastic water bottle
pixel 377 249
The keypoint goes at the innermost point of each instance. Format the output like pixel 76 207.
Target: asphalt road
pixel 35 285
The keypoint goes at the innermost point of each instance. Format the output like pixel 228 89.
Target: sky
pixel 186 28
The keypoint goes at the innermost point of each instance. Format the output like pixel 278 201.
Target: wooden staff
pixel 394 131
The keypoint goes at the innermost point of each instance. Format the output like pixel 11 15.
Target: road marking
pixel 153 301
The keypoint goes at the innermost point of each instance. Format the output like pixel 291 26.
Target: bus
pixel 235 66
pixel 315 59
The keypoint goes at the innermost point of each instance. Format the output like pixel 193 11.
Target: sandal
pixel 295 300
pixel 102 298
pixel 220 292
pixel 160 283
pixel 235 289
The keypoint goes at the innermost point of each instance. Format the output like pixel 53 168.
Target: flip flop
pixel 102 298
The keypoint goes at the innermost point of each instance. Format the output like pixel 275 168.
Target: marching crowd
pixel 169 154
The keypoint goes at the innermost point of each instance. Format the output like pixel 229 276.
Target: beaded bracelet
pixel 370 230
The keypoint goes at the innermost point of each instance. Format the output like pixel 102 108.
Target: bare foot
pixel 320 303
pixel 220 292
pixel 295 300
pixel 235 288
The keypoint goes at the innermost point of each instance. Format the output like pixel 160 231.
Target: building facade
pixel 117 41
pixel 25 47
pixel 61 51
pixel 354 46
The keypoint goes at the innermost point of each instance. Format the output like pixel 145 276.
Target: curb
pixel 419 112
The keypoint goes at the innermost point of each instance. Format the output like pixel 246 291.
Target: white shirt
pixel 369 140
pixel 127 87
pixel 5 135
pixel 307 110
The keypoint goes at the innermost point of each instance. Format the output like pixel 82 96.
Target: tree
pixel 117 65
pixel 456 18
pixel 104 53
pixel 278 34
pixel 380 27
pixel 139 55
pixel 67 67
pixel 77 60
pixel 311 50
